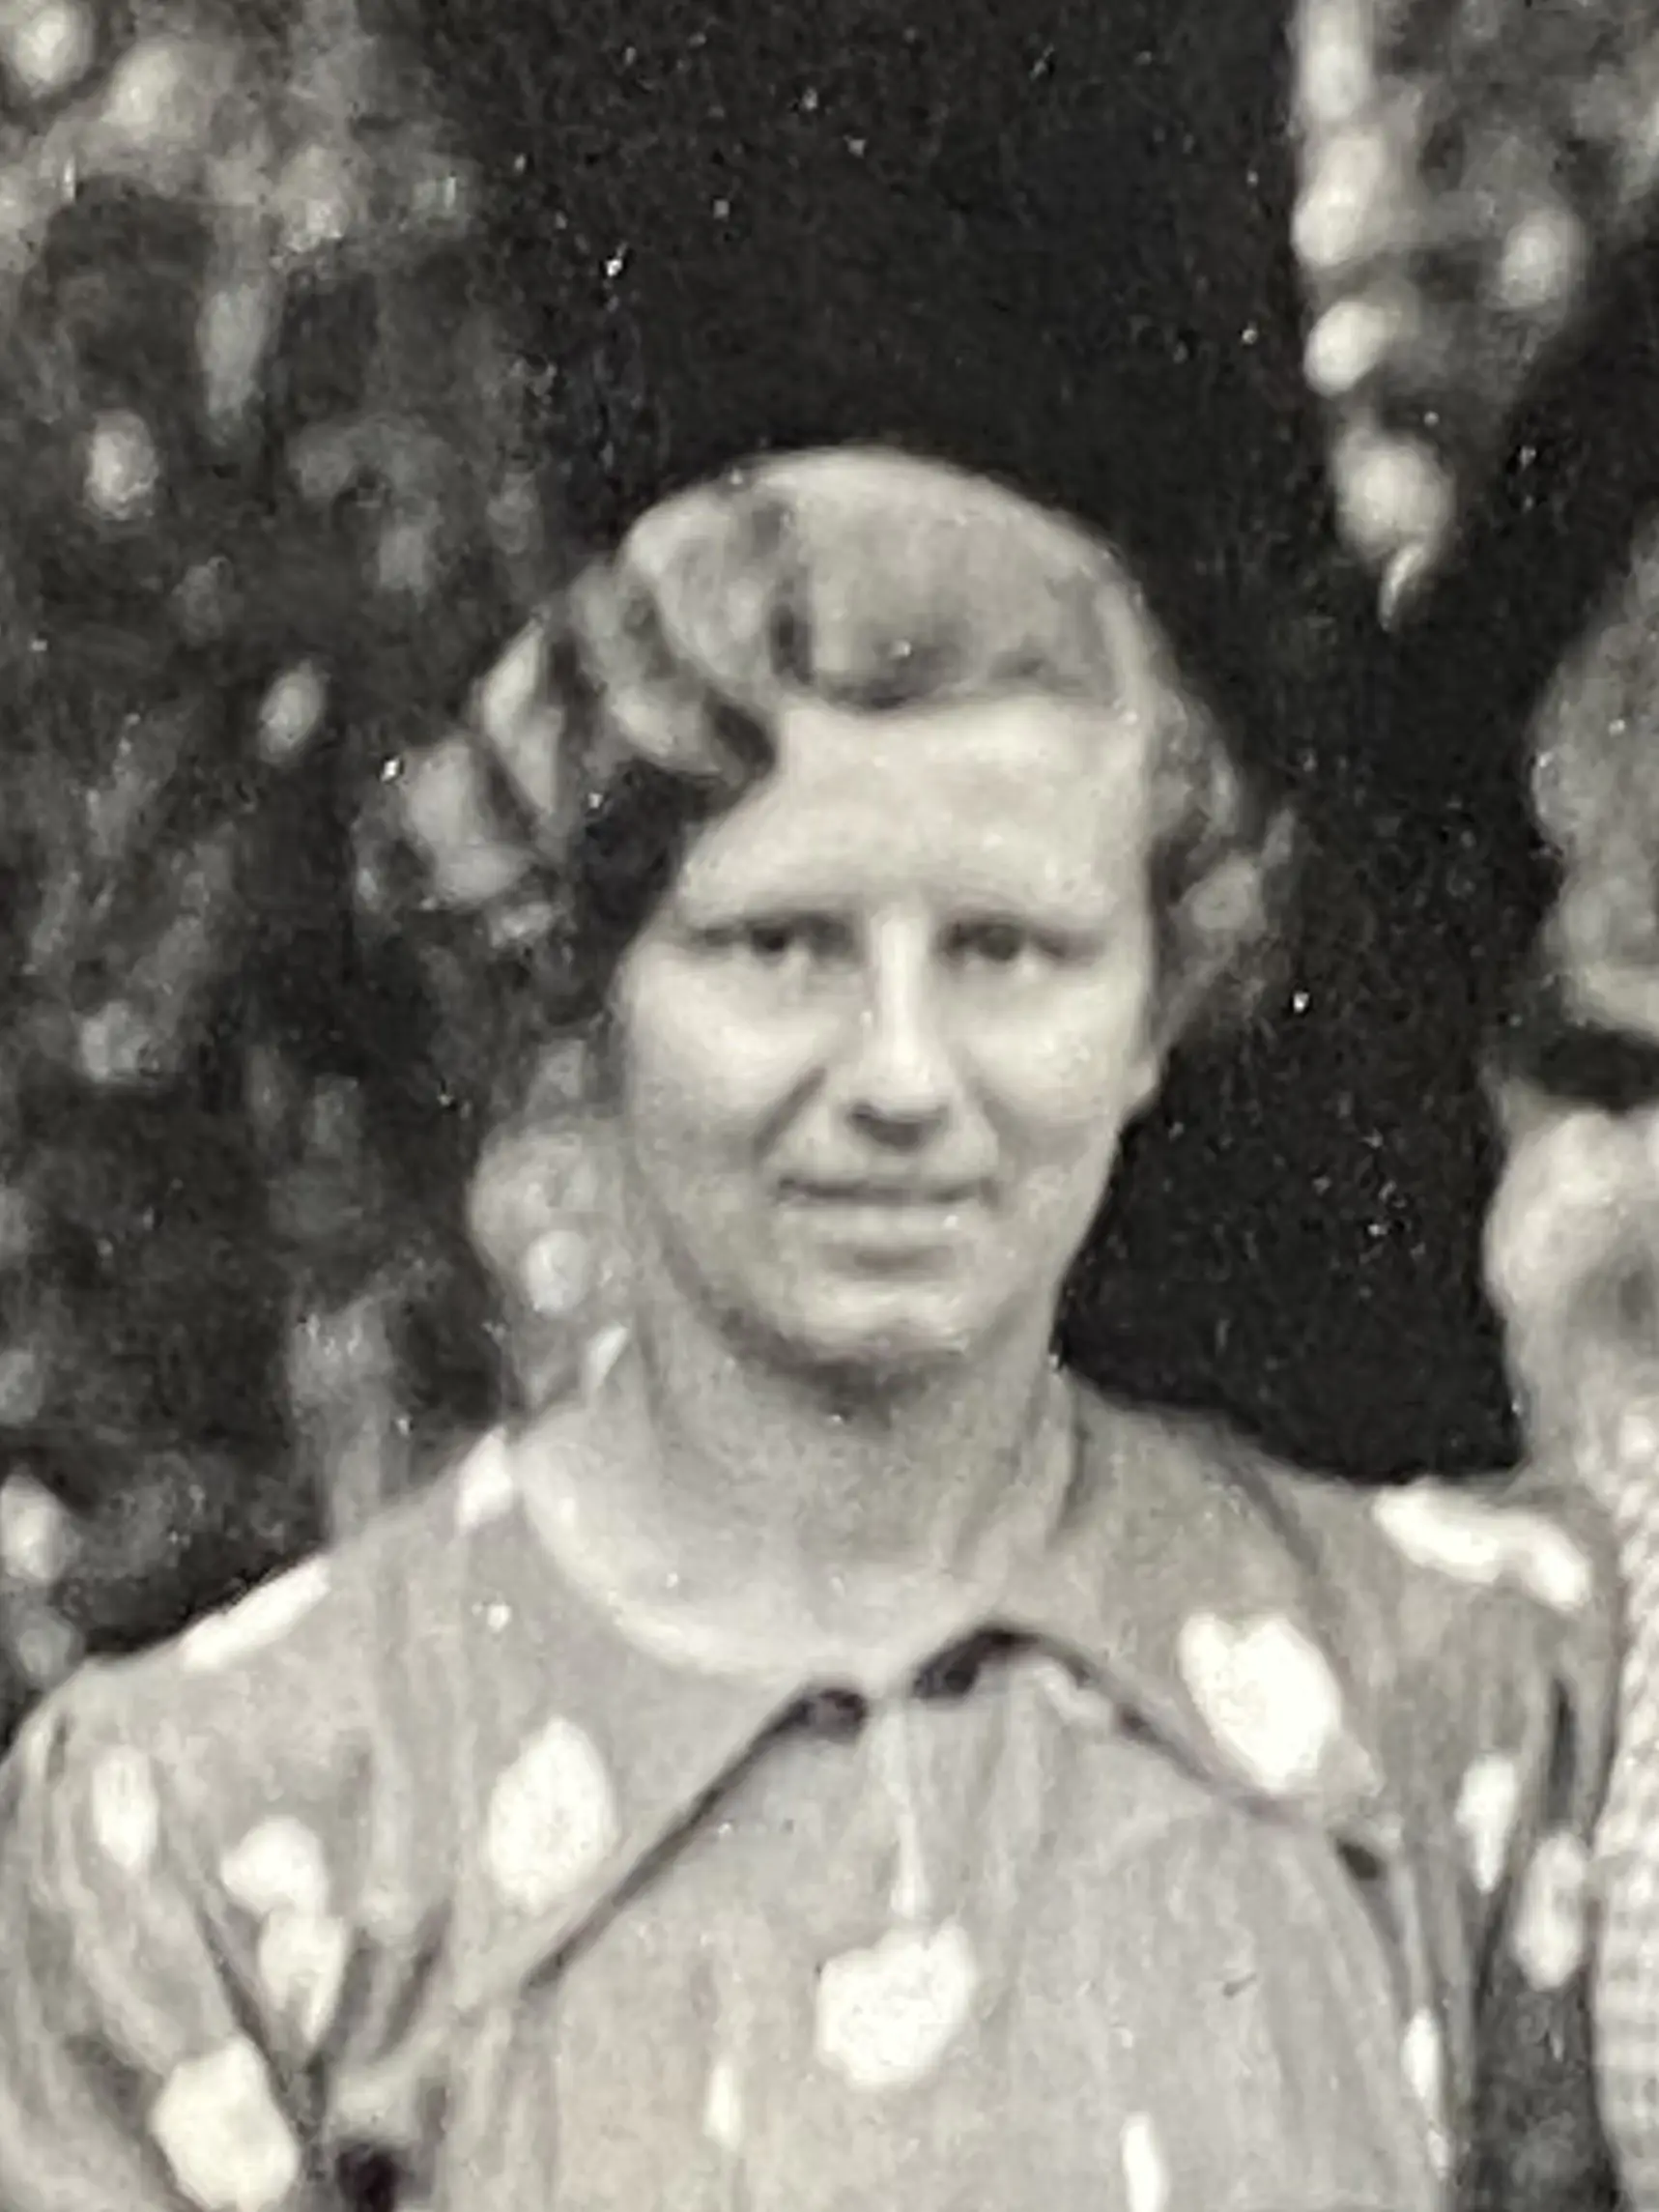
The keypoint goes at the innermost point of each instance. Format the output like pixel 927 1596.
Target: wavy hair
pixel 644 702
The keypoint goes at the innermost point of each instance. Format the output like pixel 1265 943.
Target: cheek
pixel 697 1064
pixel 1072 1073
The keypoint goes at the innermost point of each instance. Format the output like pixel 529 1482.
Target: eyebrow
pixel 788 897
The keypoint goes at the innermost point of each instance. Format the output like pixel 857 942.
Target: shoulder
pixel 1530 1549
pixel 359 1759
pixel 1472 1627
pixel 309 1702
pixel 1482 1612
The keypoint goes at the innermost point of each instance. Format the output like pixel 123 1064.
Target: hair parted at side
pixel 644 701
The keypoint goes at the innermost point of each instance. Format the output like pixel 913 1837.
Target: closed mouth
pixel 918 1197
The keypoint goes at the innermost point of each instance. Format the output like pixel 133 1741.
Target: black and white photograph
pixel 829 1105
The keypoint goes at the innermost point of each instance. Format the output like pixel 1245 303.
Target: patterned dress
pixel 1229 1853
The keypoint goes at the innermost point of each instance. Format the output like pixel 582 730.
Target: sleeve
pixel 1525 1594
pixel 1537 2143
pixel 130 2077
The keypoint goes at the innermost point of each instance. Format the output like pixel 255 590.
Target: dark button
pixel 837 1714
pixel 367 2178
pixel 954 1673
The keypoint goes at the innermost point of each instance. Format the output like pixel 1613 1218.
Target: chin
pixel 883 1339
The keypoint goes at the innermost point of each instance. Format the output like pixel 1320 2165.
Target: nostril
pixel 895 1129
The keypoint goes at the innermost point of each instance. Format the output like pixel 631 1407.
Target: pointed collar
pixel 1173 1577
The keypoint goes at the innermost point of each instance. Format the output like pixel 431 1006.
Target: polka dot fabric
pixel 1174 1880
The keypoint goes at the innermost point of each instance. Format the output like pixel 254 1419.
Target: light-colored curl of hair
pixel 870 580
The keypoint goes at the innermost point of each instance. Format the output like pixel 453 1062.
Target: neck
pixel 820 1476
pixel 733 1512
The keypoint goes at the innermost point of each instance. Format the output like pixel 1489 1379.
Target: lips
pixel 917 1197
pixel 894 1220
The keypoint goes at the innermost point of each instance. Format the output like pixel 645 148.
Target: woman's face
pixel 879 1045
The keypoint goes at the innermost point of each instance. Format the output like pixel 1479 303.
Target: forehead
pixel 1007 792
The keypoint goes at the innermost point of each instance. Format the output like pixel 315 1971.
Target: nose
pixel 899 1078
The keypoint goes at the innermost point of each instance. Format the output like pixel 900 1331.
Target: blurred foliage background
pixel 333 329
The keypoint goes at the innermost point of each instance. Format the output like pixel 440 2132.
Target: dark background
pixel 1052 242
pixel 1049 243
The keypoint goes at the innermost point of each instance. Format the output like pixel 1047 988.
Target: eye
pixel 773 944
pixel 1003 946
pixel 993 944
pixel 786 943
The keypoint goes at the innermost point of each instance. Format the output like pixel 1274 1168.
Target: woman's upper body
pixel 1220 1842
pixel 835 1757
